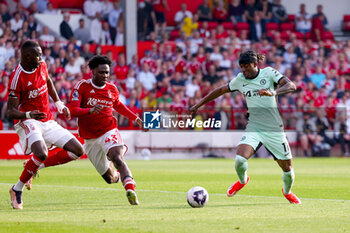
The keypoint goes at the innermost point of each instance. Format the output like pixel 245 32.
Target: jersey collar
pixel 97 87
pixel 27 72
pixel 255 75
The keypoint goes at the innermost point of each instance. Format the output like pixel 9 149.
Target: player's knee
pixel 79 151
pixel 41 155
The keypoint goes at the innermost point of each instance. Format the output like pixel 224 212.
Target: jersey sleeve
pixel 233 85
pixel 14 87
pixel 74 101
pixel 274 74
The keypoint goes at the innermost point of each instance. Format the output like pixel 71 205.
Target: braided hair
pixel 250 56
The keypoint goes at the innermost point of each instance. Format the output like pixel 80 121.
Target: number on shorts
pixel 285 147
pixel 113 138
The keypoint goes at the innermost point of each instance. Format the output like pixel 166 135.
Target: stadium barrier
pixel 137 140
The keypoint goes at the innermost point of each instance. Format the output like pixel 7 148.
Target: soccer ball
pixel 197 197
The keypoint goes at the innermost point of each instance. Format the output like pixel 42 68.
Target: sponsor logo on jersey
pixel 34 93
pixel 75 96
pixel 94 101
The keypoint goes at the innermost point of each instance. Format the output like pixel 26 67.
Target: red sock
pixel 129 183
pixel 60 157
pixel 30 169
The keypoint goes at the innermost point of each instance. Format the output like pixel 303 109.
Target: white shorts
pixel 50 132
pixel 97 149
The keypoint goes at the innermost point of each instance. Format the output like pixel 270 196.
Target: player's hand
pixel 265 92
pixel 66 113
pixel 140 123
pixel 96 109
pixel 193 110
pixel 37 115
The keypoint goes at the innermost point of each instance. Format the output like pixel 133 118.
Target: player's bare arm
pixel 211 96
pixel 59 104
pixel 14 113
pixel 285 86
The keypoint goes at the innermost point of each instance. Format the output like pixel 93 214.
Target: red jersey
pixel 121 72
pixel 31 89
pixel 86 95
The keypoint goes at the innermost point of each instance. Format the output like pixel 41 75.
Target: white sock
pixel 241 165
pixel 288 179
pixel 19 186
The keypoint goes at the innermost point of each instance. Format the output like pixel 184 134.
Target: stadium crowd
pixel 179 70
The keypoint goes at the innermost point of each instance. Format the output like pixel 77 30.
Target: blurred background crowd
pixel 199 53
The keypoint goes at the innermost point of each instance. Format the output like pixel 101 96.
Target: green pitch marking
pixel 74 198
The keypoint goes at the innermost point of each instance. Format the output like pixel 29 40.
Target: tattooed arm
pixel 285 86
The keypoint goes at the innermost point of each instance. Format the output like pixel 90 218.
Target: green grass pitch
pixel 74 198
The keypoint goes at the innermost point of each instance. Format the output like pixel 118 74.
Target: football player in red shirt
pixel 28 104
pixel 93 102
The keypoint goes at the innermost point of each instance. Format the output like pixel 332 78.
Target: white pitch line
pixel 165 191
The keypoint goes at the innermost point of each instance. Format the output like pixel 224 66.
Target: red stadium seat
pixel 212 25
pixel 272 27
pixel 228 25
pixel 346 23
pixel 307 35
pixel 287 27
pixel 291 18
pixel 327 35
pixel 299 35
pixel 242 26
pixel 285 35
pixel 200 24
pixel 174 34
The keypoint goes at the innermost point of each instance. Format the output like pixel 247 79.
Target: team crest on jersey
pixel 262 81
pixel 75 95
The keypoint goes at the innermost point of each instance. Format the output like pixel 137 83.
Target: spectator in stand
pixel 78 60
pixel 211 77
pixel 47 55
pixel 189 25
pixel 4 12
pixel 306 133
pixel 33 8
pixel 106 38
pixel 289 56
pixel 32 24
pixel 121 70
pixel 266 13
pixel 342 134
pixel 303 20
pixel 85 52
pixel 251 14
pixel 220 12
pixel 16 22
pixel 47 37
pixel 318 77
pixel 192 87
pixel 279 13
pixel 106 8
pixel 147 78
pixel 42 5
pixel 26 3
pixel 177 82
pixel 71 69
pixel 236 11
pixel 91 7
pixel 82 33
pixel 203 11
pixel 319 11
pixel 317 28
pixel 148 17
pixel 113 19
pixel 3 56
pixel 65 28
pixel 50 10
pixel 3 97
pixel 180 15
pixel 96 29
pixel 160 6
